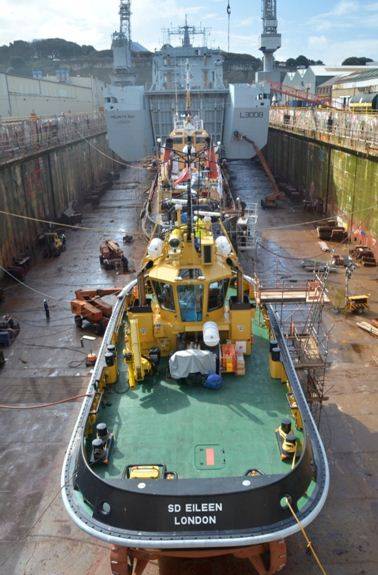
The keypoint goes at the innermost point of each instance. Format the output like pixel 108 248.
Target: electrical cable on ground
pixel 44 511
pixel 76 364
pixel 319 220
pixel 27 286
pixel 136 234
pixel 48 296
pixel 286 257
pixel 37 324
pixel 47 334
pixel 59 224
pixel 43 405
pixel 52 347
pixel 46 536
pixel 308 541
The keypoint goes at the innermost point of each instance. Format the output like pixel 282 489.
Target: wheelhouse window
pixel 217 294
pixel 164 294
pixel 190 273
pixel 190 302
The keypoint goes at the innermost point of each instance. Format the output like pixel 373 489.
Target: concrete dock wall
pixel 334 181
pixel 20 96
pixel 42 186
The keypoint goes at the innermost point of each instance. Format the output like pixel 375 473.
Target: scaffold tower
pixel 308 340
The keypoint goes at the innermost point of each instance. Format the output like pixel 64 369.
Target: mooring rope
pixel 310 546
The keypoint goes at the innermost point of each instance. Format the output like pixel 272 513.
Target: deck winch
pixel 101 445
pixel 287 441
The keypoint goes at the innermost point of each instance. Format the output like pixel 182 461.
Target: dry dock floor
pixel 45 364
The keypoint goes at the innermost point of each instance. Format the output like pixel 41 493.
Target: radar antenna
pixel 186 33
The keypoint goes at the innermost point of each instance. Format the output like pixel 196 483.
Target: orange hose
pixel 37 406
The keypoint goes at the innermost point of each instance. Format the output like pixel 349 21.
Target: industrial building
pixel 21 96
pixel 355 90
pixel 309 80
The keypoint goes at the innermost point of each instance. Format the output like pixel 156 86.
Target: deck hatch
pixel 211 456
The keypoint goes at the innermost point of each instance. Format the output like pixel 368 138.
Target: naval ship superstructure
pixel 138 115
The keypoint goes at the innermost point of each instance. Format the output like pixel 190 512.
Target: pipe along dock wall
pixel 42 186
pixel 338 181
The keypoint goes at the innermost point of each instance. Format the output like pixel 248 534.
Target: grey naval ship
pixel 137 116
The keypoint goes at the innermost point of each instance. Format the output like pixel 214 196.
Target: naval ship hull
pixel 136 118
pixel 186 513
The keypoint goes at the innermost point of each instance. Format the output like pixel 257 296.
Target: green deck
pixel 172 423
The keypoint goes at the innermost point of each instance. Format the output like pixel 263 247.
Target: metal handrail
pixel 27 136
pixel 360 127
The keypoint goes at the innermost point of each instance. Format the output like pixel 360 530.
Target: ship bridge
pixel 178 69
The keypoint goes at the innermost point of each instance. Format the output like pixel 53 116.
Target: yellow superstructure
pixel 187 280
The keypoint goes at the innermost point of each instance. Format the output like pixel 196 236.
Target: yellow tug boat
pixel 195 434
pixel 189 159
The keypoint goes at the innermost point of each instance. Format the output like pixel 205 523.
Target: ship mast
pixel 188 99
pixel 186 41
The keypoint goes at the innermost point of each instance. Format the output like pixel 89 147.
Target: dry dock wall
pixel 42 186
pixel 338 181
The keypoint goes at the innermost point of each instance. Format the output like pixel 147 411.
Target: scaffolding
pixel 325 123
pixel 246 228
pixel 20 137
pixel 307 340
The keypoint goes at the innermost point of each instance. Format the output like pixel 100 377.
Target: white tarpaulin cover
pixel 182 363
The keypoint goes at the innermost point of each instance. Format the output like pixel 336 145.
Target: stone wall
pixel 42 186
pixel 343 183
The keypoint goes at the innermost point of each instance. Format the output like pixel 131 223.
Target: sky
pixel 329 30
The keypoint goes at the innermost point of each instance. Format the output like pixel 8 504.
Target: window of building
pixel 217 294
pixel 190 302
pixel 164 294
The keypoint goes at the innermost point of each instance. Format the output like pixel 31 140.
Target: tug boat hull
pixel 192 512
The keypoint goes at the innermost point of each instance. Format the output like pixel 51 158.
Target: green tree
pixel 291 63
pixel 302 61
pixel 355 61
pixel 86 50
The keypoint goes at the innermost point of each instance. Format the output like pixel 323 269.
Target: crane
pixel 270 41
pixel 121 44
pixel 271 200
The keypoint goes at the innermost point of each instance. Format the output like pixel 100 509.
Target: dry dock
pixel 45 364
